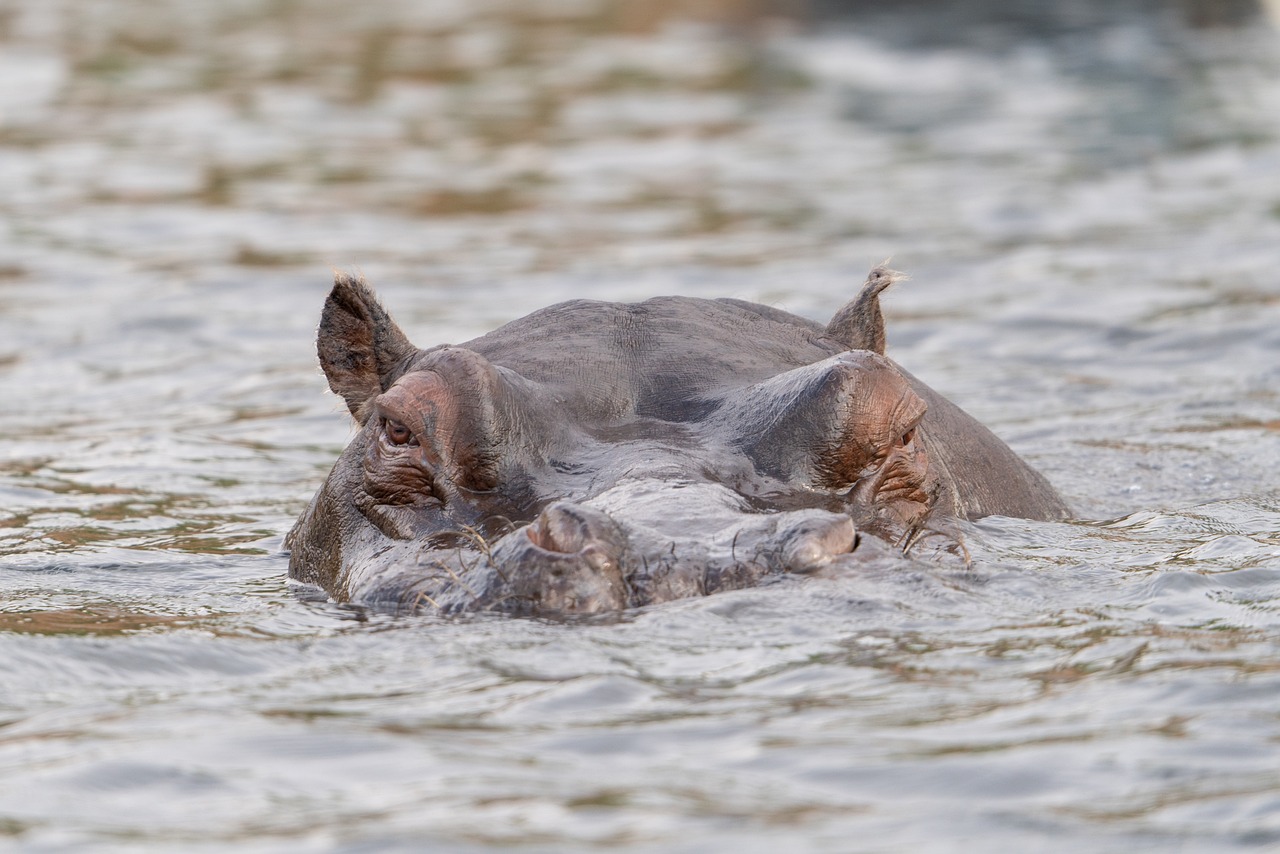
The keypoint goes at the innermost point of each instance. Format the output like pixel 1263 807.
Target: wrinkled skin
pixel 597 456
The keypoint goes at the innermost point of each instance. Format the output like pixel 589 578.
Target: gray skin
pixel 596 456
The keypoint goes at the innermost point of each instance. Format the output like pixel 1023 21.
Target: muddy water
pixel 1090 210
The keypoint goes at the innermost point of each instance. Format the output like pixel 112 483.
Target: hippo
pixel 596 456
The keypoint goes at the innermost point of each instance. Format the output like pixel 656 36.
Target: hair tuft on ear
pixel 359 345
pixel 860 325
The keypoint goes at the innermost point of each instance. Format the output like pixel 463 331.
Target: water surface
pixel 1090 212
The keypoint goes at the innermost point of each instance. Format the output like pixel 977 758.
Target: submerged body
pixel 595 456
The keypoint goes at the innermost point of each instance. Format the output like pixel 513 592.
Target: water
pixel 1089 207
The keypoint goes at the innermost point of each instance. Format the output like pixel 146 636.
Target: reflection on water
pixel 1087 196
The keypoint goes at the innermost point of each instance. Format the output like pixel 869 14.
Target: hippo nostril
pixel 812 543
pixel 539 534
pixel 569 529
pixel 555 532
pixel 569 560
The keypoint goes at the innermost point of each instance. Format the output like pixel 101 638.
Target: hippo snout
pixel 577 559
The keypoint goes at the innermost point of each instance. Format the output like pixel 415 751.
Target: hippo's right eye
pixel 397 433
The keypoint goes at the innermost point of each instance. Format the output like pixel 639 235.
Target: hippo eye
pixel 397 433
pixel 908 437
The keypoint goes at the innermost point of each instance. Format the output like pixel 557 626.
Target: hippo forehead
pixel 653 358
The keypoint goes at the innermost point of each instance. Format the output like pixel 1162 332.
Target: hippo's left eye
pixel 907 437
pixel 397 433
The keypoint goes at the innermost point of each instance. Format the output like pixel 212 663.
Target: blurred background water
pixel 1087 197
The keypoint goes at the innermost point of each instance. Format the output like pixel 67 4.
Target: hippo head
pixel 596 456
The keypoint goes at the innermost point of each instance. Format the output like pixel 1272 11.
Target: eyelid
pixel 913 428
pixel 909 424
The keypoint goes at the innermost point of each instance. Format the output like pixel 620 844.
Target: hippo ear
pixel 359 344
pixel 859 325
